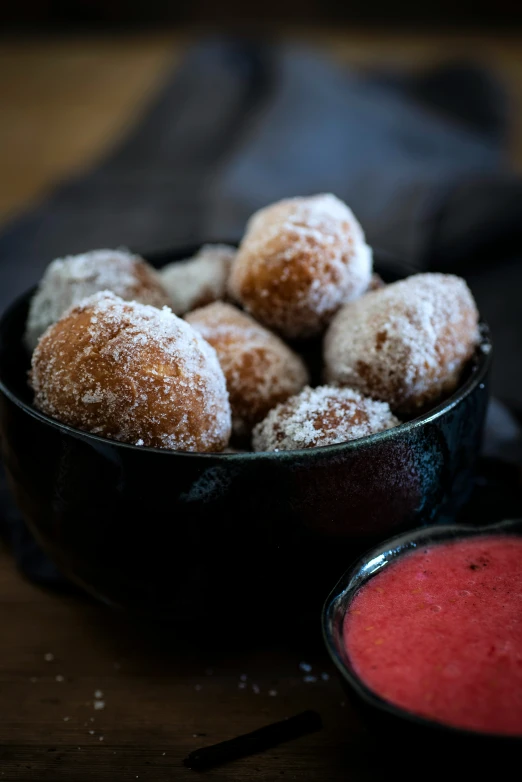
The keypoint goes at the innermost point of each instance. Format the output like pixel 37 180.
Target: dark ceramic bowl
pixel 191 534
pixel 391 724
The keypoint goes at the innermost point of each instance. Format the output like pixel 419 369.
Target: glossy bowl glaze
pixel 174 533
pixel 391 724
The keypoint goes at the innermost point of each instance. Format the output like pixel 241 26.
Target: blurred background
pixel 158 124
pixel 124 14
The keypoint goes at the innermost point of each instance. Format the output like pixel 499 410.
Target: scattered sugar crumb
pixel 91 733
pixel 306 667
pixel 241 685
pixel 66 719
pixel 49 657
pixel 59 678
pixel 255 689
pixel 99 705
pixel 98 694
pixel 309 679
pixel 272 693
pixel 325 677
pixel 243 677
pixel 100 738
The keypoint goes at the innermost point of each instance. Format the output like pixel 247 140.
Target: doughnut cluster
pixel 112 356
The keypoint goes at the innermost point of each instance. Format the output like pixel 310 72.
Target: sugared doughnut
pixel 199 280
pixel 133 373
pixel 299 261
pixel 69 280
pixel 321 416
pixel 406 343
pixel 376 283
pixel 259 368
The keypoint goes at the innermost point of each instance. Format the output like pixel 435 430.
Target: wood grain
pixel 155 713
pixel 64 102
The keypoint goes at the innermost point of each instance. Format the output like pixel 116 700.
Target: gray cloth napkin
pixel 418 158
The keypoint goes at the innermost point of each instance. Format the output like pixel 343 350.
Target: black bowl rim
pixel 360 573
pixel 483 359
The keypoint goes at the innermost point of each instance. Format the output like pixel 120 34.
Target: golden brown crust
pixel 321 416
pixel 148 288
pixel 407 343
pixel 260 369
pixel 133 373
pixel 299 260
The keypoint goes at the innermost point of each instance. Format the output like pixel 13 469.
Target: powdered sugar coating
pixel 321 416
pixel 199 280
pixel 259 368
pixel 406 343
pixel 133 373
pixel 376 283
pixel 68 280
pixel 299 261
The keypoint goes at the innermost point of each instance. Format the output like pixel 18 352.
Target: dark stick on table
pixel 257 741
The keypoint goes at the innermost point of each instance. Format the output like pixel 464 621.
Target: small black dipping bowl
pixel 199 535
pixel 393 726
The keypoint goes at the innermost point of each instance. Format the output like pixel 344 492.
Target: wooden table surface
pixel 162 698
pixel 62 103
